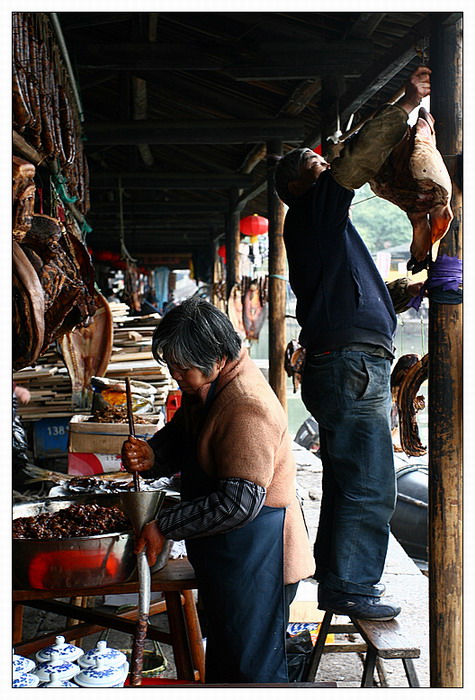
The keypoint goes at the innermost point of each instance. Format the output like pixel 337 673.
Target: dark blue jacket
pixel 341 297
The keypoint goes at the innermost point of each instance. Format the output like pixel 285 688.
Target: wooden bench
pixel 384 640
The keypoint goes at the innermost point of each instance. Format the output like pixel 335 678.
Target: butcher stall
pixel 147 164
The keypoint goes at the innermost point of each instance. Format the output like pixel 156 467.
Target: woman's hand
pixel 137 455
pixel 152 538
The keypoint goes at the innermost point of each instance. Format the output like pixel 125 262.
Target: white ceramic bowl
pixel 111 657
pixel 64 669
pixel 21 664
pixel 65 651
pixel 55 682
pixel 25 680
pixel 102 676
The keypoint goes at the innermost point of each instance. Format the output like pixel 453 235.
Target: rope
pixel 443 282
pixel 280 277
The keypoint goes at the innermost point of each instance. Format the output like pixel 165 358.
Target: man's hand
pixel 414 288
pixel 152 538
pixel 137 455
pixel 417 87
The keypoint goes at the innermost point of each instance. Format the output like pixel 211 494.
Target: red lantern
pixel 222 253
pixel 254 225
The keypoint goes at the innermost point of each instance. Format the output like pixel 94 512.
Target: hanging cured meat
pixel 86 352
pixel 294 360
pixel 235 310
pixel 254 307
pixel 414 177
pixel 23 193
pixel 131 286
pixel 28 311
pixel 409 403
pixel 65 272
pixel 398 374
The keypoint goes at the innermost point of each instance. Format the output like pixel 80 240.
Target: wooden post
pixel 445 384
pixel 233 238
pixel 277 280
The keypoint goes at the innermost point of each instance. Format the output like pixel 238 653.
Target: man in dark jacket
pixel 348 323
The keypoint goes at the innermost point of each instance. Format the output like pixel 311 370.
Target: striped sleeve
pixel 234 503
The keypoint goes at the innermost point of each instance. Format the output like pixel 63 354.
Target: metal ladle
pixel 141 507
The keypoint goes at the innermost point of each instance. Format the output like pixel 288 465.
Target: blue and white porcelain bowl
pixel 102 676
pixel 55 682
pixel 66 651
pixel 25 680
pixel 21 664
pixel 111 657
pixel 64 669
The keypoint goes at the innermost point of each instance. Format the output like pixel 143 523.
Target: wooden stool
pixel 176 580
pixel 384 640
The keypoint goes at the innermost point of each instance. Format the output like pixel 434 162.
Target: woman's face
pixel 192 379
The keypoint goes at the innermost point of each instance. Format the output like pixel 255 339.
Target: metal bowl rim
pixel 72 539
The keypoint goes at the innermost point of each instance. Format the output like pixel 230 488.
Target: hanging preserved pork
pixel 415 178
pixel 86 352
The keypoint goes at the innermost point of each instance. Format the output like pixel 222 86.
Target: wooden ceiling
pixel 178 107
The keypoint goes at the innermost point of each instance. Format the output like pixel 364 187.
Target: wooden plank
pixel 387 638
pixel 344 647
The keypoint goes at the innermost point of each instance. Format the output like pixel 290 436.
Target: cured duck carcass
pixel 408 404
pixel 28 327
pixel 86 352
pixel 415 178
pixel 398 374
pixel 64 268
pixel 23 192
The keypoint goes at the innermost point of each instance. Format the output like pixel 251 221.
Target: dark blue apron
pixel 240 581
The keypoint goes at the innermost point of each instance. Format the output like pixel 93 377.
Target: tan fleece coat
pixel 245 435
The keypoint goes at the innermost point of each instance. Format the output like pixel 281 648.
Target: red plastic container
pixel 173 403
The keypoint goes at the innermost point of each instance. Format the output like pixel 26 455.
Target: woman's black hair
pixel 195 334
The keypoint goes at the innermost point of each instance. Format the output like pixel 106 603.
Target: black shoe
pixel 363 607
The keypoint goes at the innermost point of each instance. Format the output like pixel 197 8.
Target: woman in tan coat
pixel 239 514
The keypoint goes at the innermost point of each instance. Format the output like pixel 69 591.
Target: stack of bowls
pixel 63 669
pixel 102 667
pixel 22 678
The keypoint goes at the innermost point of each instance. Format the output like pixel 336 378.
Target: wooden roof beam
pixel 169 181
pixel 193 132
pixel 161 208
pixel 276 60
pixel 366 24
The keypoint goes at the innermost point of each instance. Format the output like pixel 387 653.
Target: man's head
pixel 296 172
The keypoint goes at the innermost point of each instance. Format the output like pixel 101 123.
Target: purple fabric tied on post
pixel 444 273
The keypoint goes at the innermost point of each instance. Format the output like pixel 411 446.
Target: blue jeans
pixel 348 393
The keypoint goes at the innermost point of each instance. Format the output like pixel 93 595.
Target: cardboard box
pixel 88 463
pixel 106 438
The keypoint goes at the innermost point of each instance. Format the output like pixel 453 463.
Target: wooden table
pixel 176 580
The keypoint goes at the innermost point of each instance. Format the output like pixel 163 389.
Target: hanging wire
pixel 123 249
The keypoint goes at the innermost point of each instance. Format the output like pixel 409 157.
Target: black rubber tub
pixel 409 521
